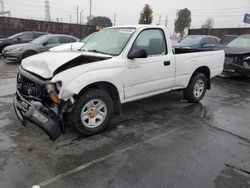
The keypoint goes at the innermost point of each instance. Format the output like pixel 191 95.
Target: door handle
pixel 167 63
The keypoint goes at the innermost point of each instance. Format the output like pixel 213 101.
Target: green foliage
pixel 100 21
pixel 146 16
pixel 183 21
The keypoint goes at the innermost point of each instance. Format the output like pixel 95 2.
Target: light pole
pixel 90 9
pixel 81 17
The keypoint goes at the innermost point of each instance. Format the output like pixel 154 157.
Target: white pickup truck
pixel 117 65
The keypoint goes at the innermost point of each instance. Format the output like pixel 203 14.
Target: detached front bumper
pixel 28 112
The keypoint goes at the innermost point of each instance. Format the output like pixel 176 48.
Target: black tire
pixel 28 54
pixel 190 93
pixel 84 99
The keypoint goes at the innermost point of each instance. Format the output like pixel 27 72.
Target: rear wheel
pixel 196 88
pixel 92 112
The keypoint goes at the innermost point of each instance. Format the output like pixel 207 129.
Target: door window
pixel 37 34
pixel 53 40
pixel 215 41
pixel 67 40
pixel 206 41
pixel 26 36
pixel 151 40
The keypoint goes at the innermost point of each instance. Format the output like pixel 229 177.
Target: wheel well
pixel 3 46
pixel 29 51
pixel 112 91
pixel 206 71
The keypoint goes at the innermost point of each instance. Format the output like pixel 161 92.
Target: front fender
pixel 75 86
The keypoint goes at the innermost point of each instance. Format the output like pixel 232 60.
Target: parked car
pixel 117 65
pixel 203 42
pixel 237 61
pixel 23 37
pixel 17 52
pixel 227 39
pixel 72 46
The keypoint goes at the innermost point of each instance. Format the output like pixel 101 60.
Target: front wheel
pixel 92 112
pixel 196 88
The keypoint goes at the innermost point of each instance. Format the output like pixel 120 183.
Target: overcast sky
pixel 224 12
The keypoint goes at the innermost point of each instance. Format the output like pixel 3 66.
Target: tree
pixel 100 21
pixel 209 24
pixel 183 21
pixel 146 15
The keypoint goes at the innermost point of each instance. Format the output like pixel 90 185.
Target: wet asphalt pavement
pixel 162 141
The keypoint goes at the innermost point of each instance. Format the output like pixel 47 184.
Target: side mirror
pixel 45 43
pixel 18 39
pixel 137 53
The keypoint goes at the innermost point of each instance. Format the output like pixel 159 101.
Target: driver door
pixel 154 74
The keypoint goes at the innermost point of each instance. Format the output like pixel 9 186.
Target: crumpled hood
pixel 46 63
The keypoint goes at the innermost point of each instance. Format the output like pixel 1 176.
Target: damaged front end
pixel 36 102
pixel 237 65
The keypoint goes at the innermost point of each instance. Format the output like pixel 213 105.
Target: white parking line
pixel 86 165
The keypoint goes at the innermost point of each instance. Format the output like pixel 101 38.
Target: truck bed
pixel 190 60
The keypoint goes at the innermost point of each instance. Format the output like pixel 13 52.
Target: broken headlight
pixel 54 87
pixel 53 90
pixel 58 86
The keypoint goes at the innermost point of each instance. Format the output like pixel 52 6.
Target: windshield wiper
pixel 96 51
pixel 82 50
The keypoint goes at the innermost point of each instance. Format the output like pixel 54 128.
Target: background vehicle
pixel 72 46
pixel 20 38
pixel 117 65
pixel 227 39
pixel 17 52
pixel 206 42
pixel 237 61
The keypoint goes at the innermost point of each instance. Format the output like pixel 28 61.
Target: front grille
pixel 27 86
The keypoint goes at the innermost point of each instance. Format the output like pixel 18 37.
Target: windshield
pixel 109 41
pixel 40 40
pixel 88 37
pixel 192 40
pixel 241 42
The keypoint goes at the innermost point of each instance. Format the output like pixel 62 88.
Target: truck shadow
pixel 152 115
